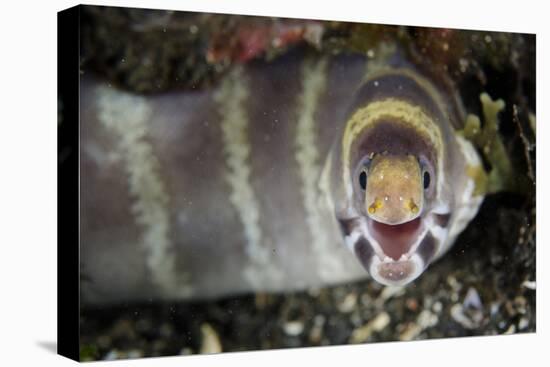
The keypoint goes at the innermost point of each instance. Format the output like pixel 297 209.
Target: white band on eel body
pixel 231 98
pixel 314 79
pixel 128 118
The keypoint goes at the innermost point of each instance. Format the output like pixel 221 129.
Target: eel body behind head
pixel 400 190
pixel 216 192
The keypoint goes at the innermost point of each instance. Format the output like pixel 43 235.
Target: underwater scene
pixel 252 183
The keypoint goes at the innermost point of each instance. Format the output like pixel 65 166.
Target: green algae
pixel 487 139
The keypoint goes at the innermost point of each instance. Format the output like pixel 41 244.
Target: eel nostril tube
pixel 412 206
pixel 377 204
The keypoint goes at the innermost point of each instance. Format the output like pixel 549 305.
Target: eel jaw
pixel 396 273
pixel 395 255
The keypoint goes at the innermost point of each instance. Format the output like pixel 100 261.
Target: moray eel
pixel 286 175
pixel 401 187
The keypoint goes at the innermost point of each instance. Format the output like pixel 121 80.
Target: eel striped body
pixel 247 186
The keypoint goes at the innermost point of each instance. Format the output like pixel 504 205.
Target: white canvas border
pixel 28 161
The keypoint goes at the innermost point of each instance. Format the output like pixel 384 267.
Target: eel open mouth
pixel 396 240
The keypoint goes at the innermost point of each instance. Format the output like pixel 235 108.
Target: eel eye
pixel 427 180
pixel 363 180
